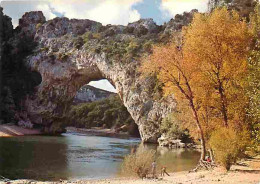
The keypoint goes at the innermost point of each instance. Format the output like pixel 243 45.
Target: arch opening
pixel 97 106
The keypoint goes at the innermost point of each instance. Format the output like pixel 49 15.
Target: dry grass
pixel 138 164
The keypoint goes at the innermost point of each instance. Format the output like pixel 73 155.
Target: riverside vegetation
pixel 107 113
pixel 214 75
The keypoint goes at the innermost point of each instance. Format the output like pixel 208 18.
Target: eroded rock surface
pixel 244 7
pixel 71 53
pixel 89 93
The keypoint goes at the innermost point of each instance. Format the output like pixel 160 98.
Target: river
pixel 76 156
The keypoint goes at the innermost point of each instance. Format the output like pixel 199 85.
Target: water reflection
pixel 174 159
pixel 26 157
pixel 75 156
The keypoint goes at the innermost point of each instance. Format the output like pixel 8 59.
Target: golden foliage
pixel 229 145
pixel 218 43
pixel 207 73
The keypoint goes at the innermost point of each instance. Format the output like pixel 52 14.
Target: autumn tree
pixel 218 43
pixel 253 90
pixel 207 72
pixel 176 74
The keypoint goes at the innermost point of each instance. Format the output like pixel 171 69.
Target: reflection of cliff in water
pixel 174 159
pixel 22 157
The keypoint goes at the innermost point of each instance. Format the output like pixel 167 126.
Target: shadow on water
pixel 33 157
pixel 78 157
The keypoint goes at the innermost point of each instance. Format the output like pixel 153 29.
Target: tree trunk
pixel 224 108
pixel 222 99
pixel 202 139
pixel 211 155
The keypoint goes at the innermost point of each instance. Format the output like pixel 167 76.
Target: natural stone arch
pixel 66 61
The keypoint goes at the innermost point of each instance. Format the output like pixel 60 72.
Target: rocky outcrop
pixel 70 53
pixel 6 99
pixel 89 93
pixel 29 23
pixel 244 7
pixel 171 143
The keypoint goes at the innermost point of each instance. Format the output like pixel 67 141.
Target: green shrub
pixel 110 111
pixel 148 47
pixel 87 36
pixel 129 30
pixel 38 25
pixel 228 145
pixel 138 164
pixel 63 56
pixel 78 42
pixel 133 47
pixel 97 36
pixel 44 49
pixel 171 127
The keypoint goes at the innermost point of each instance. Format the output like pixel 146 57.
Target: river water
pixel 76 156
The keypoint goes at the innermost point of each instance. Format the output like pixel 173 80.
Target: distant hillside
pixel 107 111
pixel 89 93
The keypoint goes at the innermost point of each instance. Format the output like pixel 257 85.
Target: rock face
pixel 71 53
pixel 244 7
pixel 6 98
pixel 89 93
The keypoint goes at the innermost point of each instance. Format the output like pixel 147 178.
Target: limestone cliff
pixel 6 99
pixel 16 78
pixel 244 7
pixel 89 93
pixel 71 53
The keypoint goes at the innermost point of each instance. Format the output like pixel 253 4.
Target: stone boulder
pixel 25 124
pixel 166 141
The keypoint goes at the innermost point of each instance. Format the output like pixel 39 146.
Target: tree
pixel 176 74
pixel 218 43
pixel 208 72
pixel 253 90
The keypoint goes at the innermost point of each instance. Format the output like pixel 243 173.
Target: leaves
pixel 208 73
pixel 219 44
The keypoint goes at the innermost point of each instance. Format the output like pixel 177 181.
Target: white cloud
pixel 104 11
pixel 46 11
pixel 173 7
pixel 103 84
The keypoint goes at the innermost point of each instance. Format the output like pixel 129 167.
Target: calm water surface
pixel 76 156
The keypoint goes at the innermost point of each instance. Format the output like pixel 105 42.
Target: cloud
pixel 47 11
pixel 173 7
pixel 104 11
pixel 16 9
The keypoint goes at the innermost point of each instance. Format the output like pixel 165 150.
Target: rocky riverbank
pixel 97 131
pixel 9 130
pixel 246 172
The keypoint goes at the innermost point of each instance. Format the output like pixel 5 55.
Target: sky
pixel 104 11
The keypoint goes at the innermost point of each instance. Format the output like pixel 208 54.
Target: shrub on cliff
pixel 171 128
